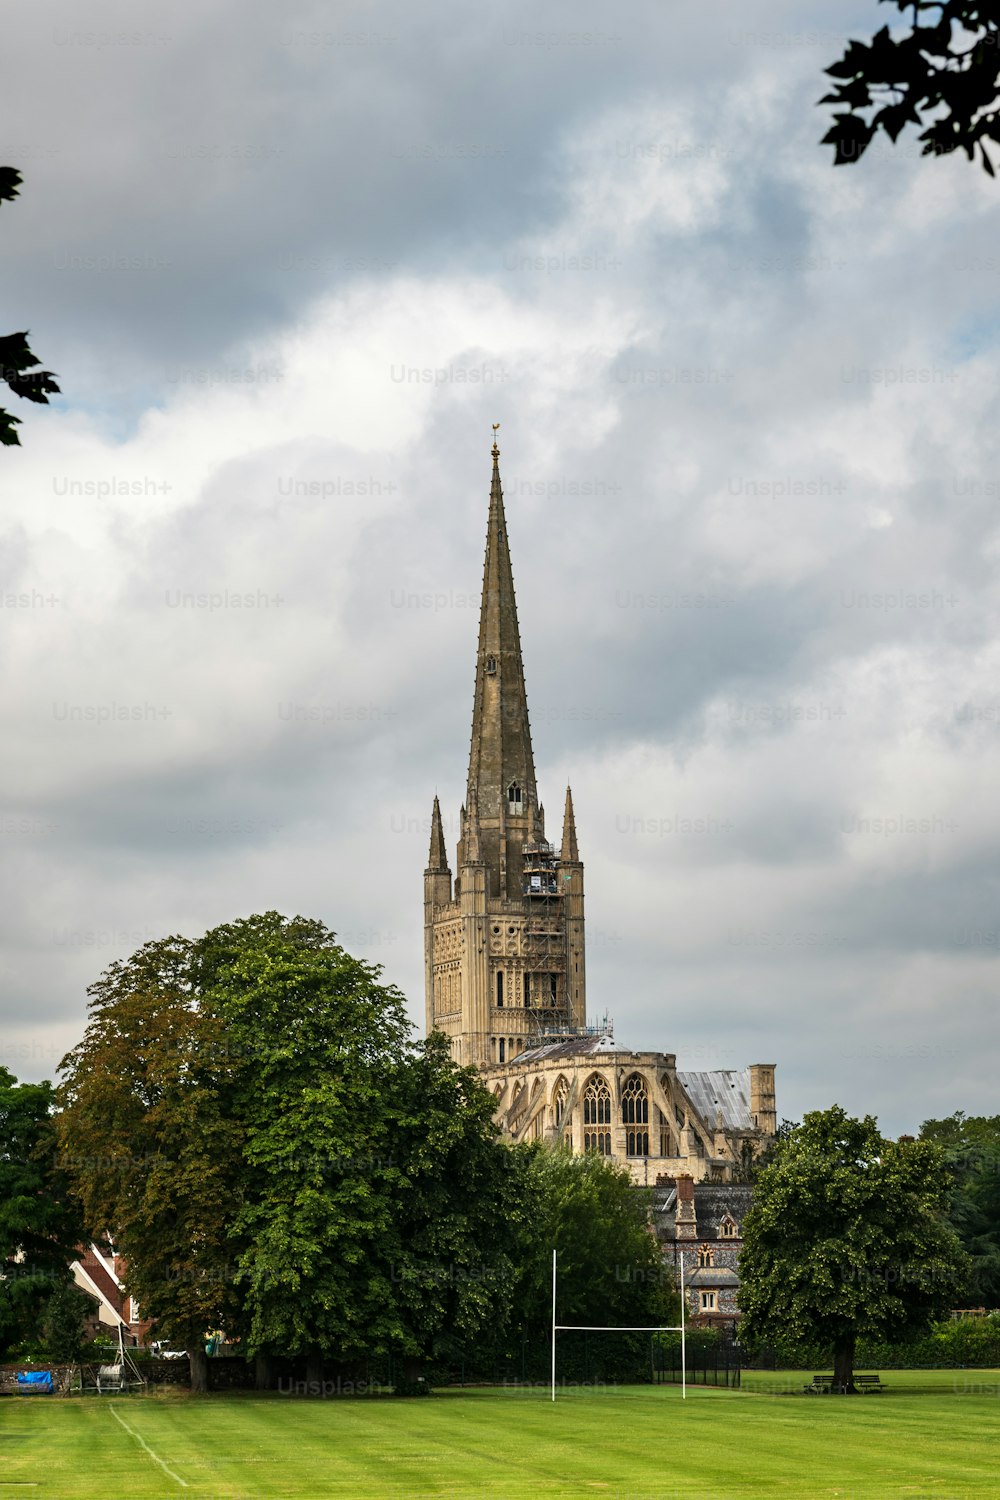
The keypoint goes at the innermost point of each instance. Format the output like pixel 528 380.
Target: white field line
pixel 148 1449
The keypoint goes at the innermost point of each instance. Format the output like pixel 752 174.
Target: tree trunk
pixel 843 1368
pixel 198 1361
pixel 263 1372
pixel 411 1370
pixel 314 1373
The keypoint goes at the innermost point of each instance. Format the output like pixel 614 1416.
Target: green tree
pixel 324 1037
pixel 18 366
pixel 40 1226
pixel 971 1145
pixel 460 1209
pixel 150 1143
pixel 943 74
pixel 62 1325
pixel 847 1237
pixel 611 1270
pixel 249 1118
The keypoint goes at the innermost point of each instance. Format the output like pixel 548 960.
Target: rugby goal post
pixel 680 1328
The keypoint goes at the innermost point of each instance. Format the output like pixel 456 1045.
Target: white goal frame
pixel 680 1328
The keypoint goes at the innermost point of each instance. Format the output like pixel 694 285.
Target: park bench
pixel 821 1385
pixel 866 1383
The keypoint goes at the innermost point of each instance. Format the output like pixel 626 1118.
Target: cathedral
pixel 505 955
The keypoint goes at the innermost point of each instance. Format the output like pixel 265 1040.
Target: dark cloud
pixel 290 271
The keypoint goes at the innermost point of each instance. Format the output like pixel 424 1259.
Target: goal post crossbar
pixel 680 1328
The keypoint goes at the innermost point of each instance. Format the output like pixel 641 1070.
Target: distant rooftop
pixel 576 1046
pixel 727 1091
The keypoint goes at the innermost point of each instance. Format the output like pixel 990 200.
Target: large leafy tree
pixel 324 1038
pixel 847 1236
pixel 943 74
pixel 461 1209
pixel 248 1116
pixel 19 369
pixel 971 1145
pixel 40 1227
pixel 150 1141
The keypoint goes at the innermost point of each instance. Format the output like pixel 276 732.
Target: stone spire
pixel 438 858
pixel 500 755
pixel 569 851
pixel 472 854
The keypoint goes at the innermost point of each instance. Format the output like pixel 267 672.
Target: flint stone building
pixel 704 1222
pixel 505 961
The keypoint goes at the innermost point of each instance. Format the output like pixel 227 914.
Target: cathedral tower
pixel 504 946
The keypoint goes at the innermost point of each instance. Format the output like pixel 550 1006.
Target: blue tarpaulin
pixel 35 1382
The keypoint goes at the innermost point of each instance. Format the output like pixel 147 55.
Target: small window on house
pixel 707 1302
pixel 728 1229
pixel 491 665
pixel 706 1257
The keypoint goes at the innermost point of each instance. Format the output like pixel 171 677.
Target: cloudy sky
pixel 290 265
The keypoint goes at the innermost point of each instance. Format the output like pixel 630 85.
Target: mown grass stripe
pixel 144 1445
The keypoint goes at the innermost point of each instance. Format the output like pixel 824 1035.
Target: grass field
pixel 932 1433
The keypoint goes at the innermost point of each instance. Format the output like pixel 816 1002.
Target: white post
pixel 684 1389
pixel 553 1325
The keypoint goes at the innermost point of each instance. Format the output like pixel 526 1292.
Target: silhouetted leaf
pixel 10 181
pixel 944 73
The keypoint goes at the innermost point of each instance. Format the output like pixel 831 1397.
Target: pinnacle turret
pixel 569 851
pixel 438 859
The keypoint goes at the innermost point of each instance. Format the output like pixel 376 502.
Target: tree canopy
pixel 19 369
pixel 40 1227
pixel 610 1268
pixel 971 1146
pixel 847 1235
pixel 943 74
pixel 274 1155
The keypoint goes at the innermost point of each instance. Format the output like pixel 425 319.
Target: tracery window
pixel 597 1102
pixel 666 1142
pixel 597 1140
pixel 635 1116
pixel 706 1257
pixel 729 1228
pixel 596 1113
pixel 560 1101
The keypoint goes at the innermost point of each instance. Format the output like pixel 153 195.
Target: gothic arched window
pixel 597 1102
pixel 706 1257
pixel 597 1113
pixel 491 665
pixel 515 801
pixel 635 1114
pixel 560 1100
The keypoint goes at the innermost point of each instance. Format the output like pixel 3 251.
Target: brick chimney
pixel 684 1219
